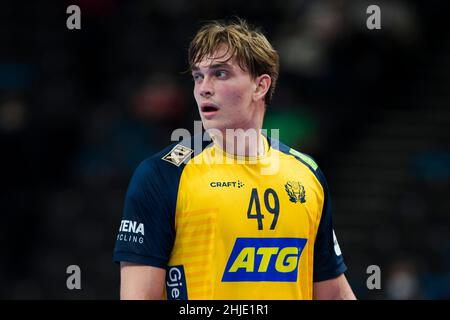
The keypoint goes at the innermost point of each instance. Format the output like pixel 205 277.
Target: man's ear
pixel 262 83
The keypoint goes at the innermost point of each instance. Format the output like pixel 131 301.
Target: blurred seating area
pixel 79 110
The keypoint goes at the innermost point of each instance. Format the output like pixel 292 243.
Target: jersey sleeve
pixel 146 233
pixel 328 259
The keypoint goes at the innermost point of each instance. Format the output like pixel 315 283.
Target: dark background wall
pixel 79 109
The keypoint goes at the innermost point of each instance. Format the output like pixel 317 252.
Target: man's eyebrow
pixel 220 65
pixel 214 66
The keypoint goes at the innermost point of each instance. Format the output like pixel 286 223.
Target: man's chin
pixel 214 126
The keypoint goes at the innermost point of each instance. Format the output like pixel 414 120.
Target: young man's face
pixel 224 93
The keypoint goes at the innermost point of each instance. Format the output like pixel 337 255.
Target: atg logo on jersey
pixel 264 259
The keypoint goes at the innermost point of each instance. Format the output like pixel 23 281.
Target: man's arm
pixel 333 289
pixel 141 282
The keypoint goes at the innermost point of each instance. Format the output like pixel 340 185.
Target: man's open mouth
pixel 209 108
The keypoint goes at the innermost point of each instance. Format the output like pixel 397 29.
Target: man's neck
pixel 237 142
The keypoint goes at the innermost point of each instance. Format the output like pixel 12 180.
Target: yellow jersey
pixel 227 227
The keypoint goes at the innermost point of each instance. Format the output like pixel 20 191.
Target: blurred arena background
pixel 79 109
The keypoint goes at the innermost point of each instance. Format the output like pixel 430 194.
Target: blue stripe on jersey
pixel 147 231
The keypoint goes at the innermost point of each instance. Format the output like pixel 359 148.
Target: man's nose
pixel 206 88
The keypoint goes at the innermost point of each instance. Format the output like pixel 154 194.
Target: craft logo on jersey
pixel 178 155
pixel 295 191
pixel 222 184
pixel 264 259
pixel 176 283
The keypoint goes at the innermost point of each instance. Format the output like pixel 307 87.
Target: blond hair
pixel 249 46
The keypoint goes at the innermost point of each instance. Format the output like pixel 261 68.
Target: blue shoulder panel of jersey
pixel 147 230
pixel 328 260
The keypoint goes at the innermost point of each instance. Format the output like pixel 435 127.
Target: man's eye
pixel 196 77
pixel 221 74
